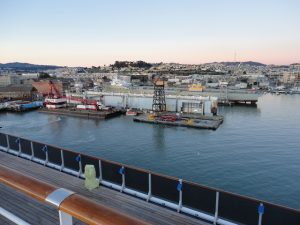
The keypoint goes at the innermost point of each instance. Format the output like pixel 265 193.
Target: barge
pixel 198 122
pixel 90 114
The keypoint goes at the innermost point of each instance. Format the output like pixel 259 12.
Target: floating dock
pixel 83 113
pixel 198 122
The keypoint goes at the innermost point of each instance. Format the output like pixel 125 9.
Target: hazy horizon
pixel 147 62
pixel 94 33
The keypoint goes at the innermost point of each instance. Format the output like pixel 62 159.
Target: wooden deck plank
pixel 4 221
pixel 127 204
pixel 28 209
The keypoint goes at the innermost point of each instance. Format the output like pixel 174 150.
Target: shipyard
pixel 83 91
pixel 75 103
pixel 178 98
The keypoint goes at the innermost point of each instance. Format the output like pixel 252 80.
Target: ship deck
pixel 35 212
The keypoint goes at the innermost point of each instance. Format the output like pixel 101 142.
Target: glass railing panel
pixel 110 172
pixel 136 180
pixel 25 146
pixel 39 150
pixel 238 208
pixel 3 141
pixel 198 198
pixel 165 188
pixel 54 155
pixel 70 160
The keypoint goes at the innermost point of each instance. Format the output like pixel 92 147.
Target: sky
pixel 98 32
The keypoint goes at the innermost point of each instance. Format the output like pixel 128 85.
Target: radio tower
pixel 159 99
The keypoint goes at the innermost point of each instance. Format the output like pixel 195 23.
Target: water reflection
pixel 158 135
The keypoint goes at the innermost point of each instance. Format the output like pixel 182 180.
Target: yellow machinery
pixel 151 116
pixel 190 122
pixel 196 87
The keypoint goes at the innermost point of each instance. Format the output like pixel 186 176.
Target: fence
pixel 213 205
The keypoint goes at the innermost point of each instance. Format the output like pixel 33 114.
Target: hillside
pixel 26 67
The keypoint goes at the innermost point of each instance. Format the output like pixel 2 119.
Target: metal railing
pixel 68 203
pixel 213 205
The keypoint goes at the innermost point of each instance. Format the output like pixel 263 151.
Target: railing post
pixel 56 198
pixel 46 160
pixel 19 143
pixel 32 150
pixel 122 172
pixel 78 159
pixel 179 188
pixel 100 171
pixel 217 208
pixel 7 140
pixel 45 149
pixel 62 160
pixel 261 210
pixel 65 219
pixel 149 187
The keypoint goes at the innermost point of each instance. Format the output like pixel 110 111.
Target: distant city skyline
pixel 92 33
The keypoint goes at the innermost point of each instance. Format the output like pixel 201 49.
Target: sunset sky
pixel 85 33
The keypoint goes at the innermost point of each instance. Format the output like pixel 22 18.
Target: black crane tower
pixel 159 99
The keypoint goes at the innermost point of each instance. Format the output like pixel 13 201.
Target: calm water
pixel 256 151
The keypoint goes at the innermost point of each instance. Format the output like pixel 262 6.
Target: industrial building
pixel 6 80
pixel 24 92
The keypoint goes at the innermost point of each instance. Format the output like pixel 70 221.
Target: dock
pixel 89 114
pixel 35 212
pixel 196 122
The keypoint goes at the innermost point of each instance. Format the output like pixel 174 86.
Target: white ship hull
pixel 56 100
pixel 87 107
pixel 55 106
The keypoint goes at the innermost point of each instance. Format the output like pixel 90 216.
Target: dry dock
pixel 83 113
pixel 198 122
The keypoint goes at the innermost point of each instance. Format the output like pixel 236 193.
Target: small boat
pixel 130 112
pixel 55 103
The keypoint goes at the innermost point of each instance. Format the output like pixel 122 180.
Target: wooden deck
pixel 35 212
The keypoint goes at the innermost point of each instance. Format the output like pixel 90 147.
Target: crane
pixel 159 99
pixel 53 92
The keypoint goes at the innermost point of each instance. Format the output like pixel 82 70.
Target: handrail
pixel 30 186
pixel 75 205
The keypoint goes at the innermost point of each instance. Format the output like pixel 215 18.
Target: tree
pixel 43 75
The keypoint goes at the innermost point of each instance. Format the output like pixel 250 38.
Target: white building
pixel 29 76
